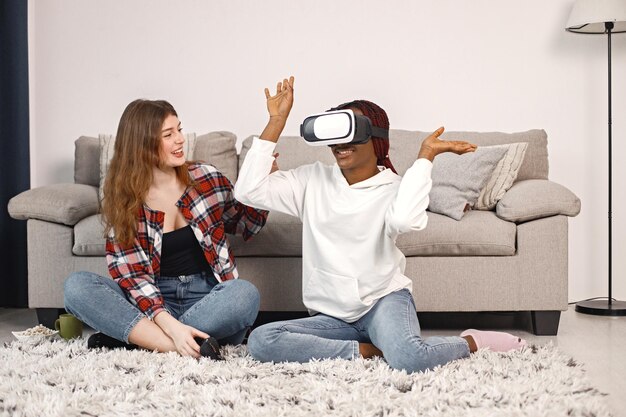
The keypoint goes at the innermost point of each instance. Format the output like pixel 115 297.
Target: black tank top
pixel 181 254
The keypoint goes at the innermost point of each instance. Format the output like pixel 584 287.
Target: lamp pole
pixel 600 307
pixel 609 27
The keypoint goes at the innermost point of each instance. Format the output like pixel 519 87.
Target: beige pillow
pixel 503 176
pixel 107 147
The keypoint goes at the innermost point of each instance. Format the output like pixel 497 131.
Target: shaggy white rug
pixel 58 378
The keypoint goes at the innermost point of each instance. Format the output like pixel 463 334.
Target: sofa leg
pixel 545 323
pixel 47 316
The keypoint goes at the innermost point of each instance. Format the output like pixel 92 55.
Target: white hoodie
pixel 349 256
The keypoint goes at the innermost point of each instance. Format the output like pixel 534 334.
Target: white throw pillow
pixel 107 147
pixel 503 176
pixel 458 179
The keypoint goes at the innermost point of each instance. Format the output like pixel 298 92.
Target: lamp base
pixel 602 308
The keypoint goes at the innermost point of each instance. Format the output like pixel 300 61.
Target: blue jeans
pixel 225 311
pixel 391 325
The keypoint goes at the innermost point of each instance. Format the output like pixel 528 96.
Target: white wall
pixel 481 65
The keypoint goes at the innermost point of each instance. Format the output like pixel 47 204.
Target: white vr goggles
pixel 339 126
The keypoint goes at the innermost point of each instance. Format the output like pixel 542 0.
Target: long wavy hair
pixel 137 151
pixel 379 118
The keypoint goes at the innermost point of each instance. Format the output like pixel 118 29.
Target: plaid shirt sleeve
pixel 132 270
pixel 238 218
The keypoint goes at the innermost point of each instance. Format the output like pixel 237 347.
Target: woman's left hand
pixel 279 105
pixel 433 146
pixel 182 335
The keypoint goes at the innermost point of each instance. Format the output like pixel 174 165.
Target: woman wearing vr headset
pixel 353 280
pixel 173 281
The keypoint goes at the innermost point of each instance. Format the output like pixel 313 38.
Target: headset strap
pixel 379 132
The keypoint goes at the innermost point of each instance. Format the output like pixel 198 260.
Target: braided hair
pixel 378 118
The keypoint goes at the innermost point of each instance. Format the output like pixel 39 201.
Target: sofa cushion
pixel 87 161
pixel 107 149
pixel 404 146
pixel 89 237
pixel 459 179
pixel 281 236
pixel 479 233
pixel 293 151
pixel 216 148
pixel 534 199
pixel 57 203
pixel 502 177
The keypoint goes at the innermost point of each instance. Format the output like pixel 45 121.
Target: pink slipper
pixel 496 341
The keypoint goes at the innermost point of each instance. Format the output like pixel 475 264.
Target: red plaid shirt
pixel 211 210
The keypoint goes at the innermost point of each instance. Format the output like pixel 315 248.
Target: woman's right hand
pixel 279 105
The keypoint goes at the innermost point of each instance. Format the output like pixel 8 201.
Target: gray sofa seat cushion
pixel 281 236
pixel 58 203
pixel 479 233
pixel 534 199
pixel 89 237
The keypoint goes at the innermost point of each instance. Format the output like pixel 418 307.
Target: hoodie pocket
pixel 332 294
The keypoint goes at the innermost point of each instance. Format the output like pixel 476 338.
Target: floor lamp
pixel 601 17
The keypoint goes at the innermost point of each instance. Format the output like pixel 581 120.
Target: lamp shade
pixel 589 16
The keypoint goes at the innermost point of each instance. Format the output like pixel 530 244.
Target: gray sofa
pixel 512 259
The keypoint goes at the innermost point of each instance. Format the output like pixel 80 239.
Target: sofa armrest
pixel 58 203
pixel 534 199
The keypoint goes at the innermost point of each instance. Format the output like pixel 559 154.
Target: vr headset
pixel 339 126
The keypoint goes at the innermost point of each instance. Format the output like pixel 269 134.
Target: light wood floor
pixel 599 343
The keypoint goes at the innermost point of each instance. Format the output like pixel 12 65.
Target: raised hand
pixel 279 105
pixel 433 146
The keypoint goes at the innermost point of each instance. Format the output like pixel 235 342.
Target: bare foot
pixel 472 344
pixel 368 350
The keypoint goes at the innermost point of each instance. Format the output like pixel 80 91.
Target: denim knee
pixel 75 288
pixel 259 342
pixel 248 300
